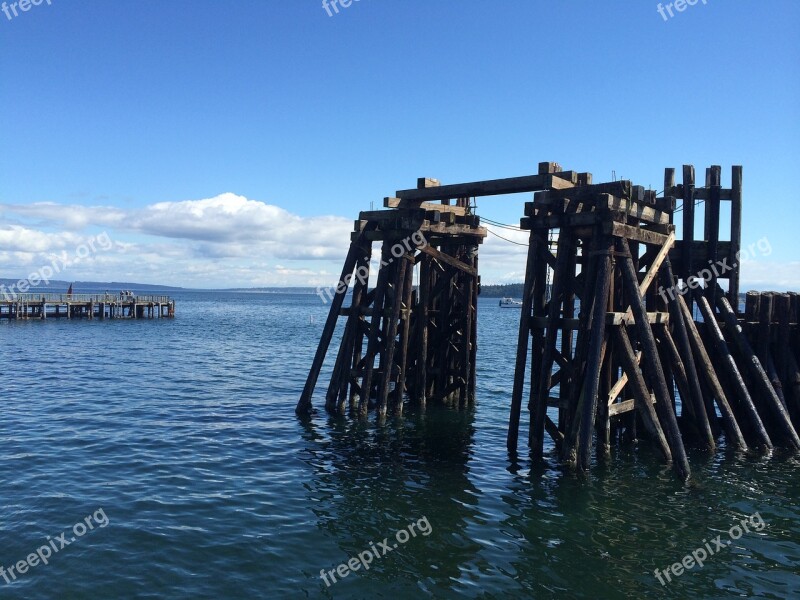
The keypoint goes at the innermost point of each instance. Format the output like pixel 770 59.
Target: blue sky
pixel 232 144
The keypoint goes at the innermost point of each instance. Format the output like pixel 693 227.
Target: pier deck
pixel 86 306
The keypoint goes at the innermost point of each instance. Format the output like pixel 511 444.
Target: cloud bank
pixel 232 241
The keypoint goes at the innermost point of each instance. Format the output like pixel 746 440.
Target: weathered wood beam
pixel 766 392
pixel 304 404
pixel 398 203
pixel 492 187
pixel 446 258
pixel 728 363
pixel 652 363
pixel 643 399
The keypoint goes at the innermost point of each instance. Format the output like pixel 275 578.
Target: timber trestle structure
pixel 628 332
pixel 423 339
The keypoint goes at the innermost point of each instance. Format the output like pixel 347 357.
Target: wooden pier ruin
pixel 423 338
pixel 628 332
pixel 85 306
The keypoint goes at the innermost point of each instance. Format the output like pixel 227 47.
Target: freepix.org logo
pixel 11 10
pixel 668 11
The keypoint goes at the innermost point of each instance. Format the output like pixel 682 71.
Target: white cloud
pixel 227 240
pixel 233 241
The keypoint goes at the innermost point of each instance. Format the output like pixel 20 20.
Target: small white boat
pixel 510 303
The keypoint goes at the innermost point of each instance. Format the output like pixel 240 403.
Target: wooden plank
pixel 544 322
pixel 643 399
pixel 616 390
pixel 654 318
pixel 446 258
pixel 607 202
pixel 443 230
pixel 391 215
pixel 655 266
pixel 651 274
pixel 554 221
pixel 427 182
pixel 701 255
pixel 705 193
pixel 445 208
pixel 492 187
pixel 638 234
pixel 621 189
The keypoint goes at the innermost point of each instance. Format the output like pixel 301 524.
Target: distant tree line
pixel 508 290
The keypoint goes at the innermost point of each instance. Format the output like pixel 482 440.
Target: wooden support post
pixel 467 341
pixel 594 362
pixel 766 392
pixel 567 369
pixel 732 428
pixel 422 328
pixel 571 426
pixel 642 400
pixel 408 287
pixel 538 335
pixel 736 236
pixel 539 407
pixel 359 301
pixel 687 269
pixel 764 327
pixel 374 330
pixel 732 370
pixel 523 336
pixel 304 405
pixel 669 186
pixel 473 361
pixel 712 226
pixel 701 412
pixel 652 364
pixel 391 335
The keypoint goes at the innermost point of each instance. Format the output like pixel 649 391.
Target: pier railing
pixel 51 298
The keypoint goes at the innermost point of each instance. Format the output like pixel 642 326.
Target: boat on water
pixel 510 303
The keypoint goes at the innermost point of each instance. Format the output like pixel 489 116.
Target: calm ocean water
pixel 182 434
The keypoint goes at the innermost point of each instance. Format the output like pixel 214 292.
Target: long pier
pixel 86 306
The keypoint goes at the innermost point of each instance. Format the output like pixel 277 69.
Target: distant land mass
pixel 271 290
pixel 508 290
pixel 80 287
